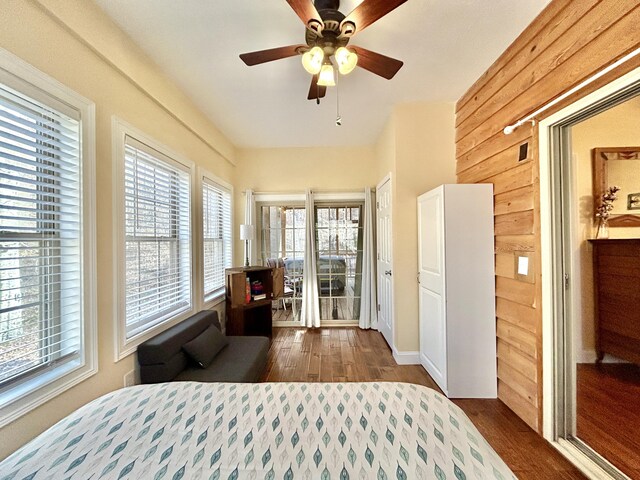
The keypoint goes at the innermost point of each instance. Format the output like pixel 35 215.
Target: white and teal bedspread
pixel 262 431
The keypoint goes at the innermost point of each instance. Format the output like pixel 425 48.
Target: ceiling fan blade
pixel 377 63
pixel 316 91
pixel 263 56
pixel 306 10
pixel 368 12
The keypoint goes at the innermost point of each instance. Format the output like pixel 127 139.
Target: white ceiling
pixel 445 45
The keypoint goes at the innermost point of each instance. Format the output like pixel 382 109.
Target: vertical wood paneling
pixel 568 42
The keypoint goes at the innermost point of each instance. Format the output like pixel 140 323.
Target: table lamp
pixel 247 232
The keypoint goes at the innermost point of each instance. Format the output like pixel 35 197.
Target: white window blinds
pixel 216 226
pixel 40 237
pixel 157 238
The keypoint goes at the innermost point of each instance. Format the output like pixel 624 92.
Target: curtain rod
pixel 302 192
pixel 509 129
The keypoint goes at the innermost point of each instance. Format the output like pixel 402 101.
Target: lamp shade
pixel 326 79
pixel 247 232
pixel 312 60
pixel 346 60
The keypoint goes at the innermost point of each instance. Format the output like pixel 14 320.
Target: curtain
pixel 368 300
pixel 310 312
pixel 250 219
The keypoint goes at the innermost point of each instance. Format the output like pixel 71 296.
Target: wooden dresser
pixel 616 273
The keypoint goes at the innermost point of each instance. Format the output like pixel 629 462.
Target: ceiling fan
pixel 328 34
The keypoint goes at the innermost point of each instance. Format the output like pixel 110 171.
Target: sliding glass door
pixel 339 236
pixel 281 241
pixel 339 260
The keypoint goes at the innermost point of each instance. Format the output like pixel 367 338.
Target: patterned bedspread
pixel 262 431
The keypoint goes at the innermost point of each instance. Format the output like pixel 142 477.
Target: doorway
pixel 592 408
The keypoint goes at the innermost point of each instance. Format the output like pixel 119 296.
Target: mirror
pixel 619 166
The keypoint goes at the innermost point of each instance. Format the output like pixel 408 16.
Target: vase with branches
pixel 603 212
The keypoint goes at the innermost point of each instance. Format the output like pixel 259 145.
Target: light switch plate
pixel 523 267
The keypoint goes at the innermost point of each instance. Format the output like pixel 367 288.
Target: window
pixel 46 246
pixel 216 237
pixel 157 238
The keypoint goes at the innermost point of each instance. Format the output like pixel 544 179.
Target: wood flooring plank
pixel 608 412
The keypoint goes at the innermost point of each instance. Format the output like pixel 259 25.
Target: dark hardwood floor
pixel 354 355
pixel 608 416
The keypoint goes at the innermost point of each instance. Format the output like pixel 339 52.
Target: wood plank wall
pixel 567 43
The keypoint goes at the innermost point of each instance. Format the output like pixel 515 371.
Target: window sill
pixel 126 347
pixel 23 398
pixel 214 300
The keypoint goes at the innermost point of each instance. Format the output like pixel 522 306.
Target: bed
pixel 262 431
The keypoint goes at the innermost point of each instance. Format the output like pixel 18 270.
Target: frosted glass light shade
pixel 346 60
pixel 326 79
pixel 247 232
pixel 312 60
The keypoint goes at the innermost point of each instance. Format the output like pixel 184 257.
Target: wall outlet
pixel 130 379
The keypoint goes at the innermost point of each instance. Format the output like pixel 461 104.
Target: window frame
pixel 126 346
pixel 217 296
pixel 23 395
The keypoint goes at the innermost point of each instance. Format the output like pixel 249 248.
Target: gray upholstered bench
pixel 163 358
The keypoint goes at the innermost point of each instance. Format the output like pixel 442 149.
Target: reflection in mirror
pixel 619 166
pixel 603 365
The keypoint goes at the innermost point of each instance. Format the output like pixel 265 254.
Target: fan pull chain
pixel 338 117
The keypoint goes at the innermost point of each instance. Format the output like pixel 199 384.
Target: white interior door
pixel 384 262
pixel 433 335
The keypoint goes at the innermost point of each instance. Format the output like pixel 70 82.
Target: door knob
pixel 387 272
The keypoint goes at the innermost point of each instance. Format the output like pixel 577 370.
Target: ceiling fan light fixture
pixel 312 60
pixel 346 60
pixel 326 78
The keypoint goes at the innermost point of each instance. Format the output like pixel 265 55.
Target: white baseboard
pixel 406 358
pixel 589 356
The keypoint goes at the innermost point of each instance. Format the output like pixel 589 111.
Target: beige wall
pixel 293 170
pixel 616 127
pixel 28 32
pixel 386 149
pixel 417 147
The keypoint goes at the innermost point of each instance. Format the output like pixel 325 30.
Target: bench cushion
pixel 243 360
pixel 161 358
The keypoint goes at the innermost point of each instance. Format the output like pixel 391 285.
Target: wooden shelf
pixel 257 303
pixel 248 318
